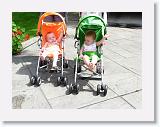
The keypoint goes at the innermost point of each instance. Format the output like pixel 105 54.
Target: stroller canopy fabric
pixel 91 22
pixel 56 26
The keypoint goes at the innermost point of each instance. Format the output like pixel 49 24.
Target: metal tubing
pixel 37 66
pixel 62 57
pixel 102 65
pixel 75 75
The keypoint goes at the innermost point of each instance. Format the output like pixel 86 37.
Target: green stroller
pixel 97 25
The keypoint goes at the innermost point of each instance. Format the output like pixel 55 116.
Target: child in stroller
pixel 89 40
pixel 89 49
pixel 51 46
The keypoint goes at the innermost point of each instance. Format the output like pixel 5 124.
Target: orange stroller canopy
pixel 56 26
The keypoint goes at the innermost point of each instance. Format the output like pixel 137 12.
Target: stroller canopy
pixel 91 22
pixel 56 26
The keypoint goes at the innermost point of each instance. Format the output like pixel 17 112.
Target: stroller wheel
pixel 99 70
pixel 98 89
pixel 39 81
pixel 76 88
pixel 105 88
pixel 62 80
pixel 65 65
pixel 33 80
pixel 40 63
pixel 70 88
pixel 47 60
pixel 65 81
pixel 58 81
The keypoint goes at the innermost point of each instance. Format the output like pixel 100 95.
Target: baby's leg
pixel 55 59
pixel 43 55
pixel 94 61
pixel 86 60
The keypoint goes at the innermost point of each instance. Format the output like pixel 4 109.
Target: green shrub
pixel 18 36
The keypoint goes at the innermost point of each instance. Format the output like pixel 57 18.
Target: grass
pixel 27 20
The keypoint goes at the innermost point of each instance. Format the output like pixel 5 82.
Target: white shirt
pixel 91 47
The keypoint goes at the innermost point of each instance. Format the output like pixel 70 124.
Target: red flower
pixel 27 36
pixel 19 32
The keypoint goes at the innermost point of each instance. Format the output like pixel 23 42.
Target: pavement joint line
pixel 117 53
pixel 23 90
pixel 29 45
pixel 124 67
pixel 122 38
pixel 53 98
pixel 122 79
pixel 120 47
pixel 121 96
pixel 130 30
pixel 26 66
pixel 39 87
pixel 112 98
pixel 45 98
pixel 130 39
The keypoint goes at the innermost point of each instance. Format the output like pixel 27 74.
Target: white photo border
pixel 144 114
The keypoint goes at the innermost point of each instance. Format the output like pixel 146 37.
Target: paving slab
pixel 76 101
pixel 117 50
pixel 116 103
pixel 20 75
pixel 29 99
pixel 135 99
pixel 133 64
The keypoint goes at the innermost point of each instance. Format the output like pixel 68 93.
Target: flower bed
pixel 18 36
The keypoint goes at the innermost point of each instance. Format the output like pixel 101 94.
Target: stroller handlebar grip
pixel 39 34
pixel 76 43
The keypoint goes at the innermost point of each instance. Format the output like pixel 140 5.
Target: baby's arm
pixel 59 40
pixel 44 47
pixel 81 51
pixel 102 40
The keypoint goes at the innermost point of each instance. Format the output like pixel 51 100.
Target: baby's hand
pixel 63 38
pixel 81 56
pixel 105 43
pixel 106 36
pixel 61 32
pixel 42 50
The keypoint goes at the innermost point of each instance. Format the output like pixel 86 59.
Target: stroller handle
pixel 49 14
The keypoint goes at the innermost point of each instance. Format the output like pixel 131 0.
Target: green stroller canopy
pixel 91 22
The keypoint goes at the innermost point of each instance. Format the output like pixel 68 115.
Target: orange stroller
pixel 43 28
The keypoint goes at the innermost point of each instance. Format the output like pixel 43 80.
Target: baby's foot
pixel 54 69
pixel 90 66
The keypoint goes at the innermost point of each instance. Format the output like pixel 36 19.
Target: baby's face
pixel 51 38
pixel 89 40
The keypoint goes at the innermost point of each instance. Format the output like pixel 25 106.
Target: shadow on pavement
pixel 29 65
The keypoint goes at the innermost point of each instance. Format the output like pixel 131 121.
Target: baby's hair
pixel 91 33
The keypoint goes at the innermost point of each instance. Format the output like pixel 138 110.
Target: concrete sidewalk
pixel 122 60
